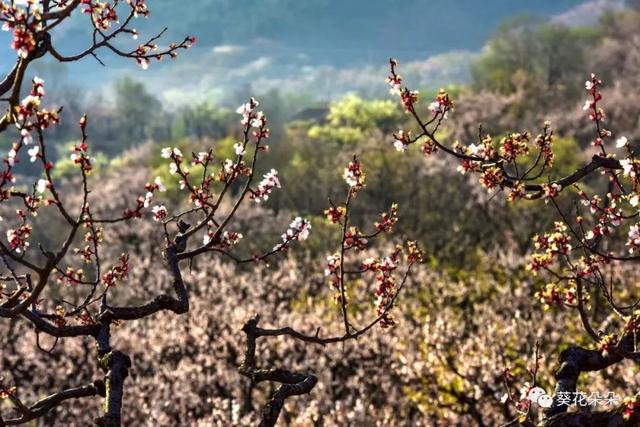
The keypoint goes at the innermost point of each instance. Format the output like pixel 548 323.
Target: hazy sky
pixel 298 44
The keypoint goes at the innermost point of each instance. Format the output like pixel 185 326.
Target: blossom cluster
pixel 18 237
pixel 544 143
pixel 514 145
pixel 388 219
pixel 268 183
pixel 144 201
pixel 299 229
pixel 117 273
pixel 633 322
pixel 93 239
pixel 353 239
pixel 29 118
pixel 591 105
pixel 440 106
pixel 71 276
pixel 253 119
pixel 231 170
pixel 607 343
pixel 484 150
pixel 408 97
pixel 631 405
pixel 139 7
pixel 385 284
pixel 24 22
pixel 607 216
pixel 103 14
pixel 401 140
pixel 552 294
pixel 492 177
pixel 229 239
pixel 332 271
pixel 551 190
pixel 550 246
pixel 335 214
pixel 354 175
pixel 59 316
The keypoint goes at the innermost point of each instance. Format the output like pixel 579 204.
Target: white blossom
pixel 627 167
pixel 27 139
pixel 258 121
pixel 160 185
pixel 202 156
pixel 33 153
pixel 159 212
pixel 167 151
pixel 41 186
pixel 268 183
pixel 634 237
pixel 31 101
pixel 11 157
pixel 238 147
pixel 228 166
pixel 147 199
pixel 143 63
pixel 400 145
pixel 622 142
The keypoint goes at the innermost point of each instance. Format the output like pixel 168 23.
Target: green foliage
pixel 364 114
pixel 350 118
pixel 529 55
pixel 203 120
pixel 138 113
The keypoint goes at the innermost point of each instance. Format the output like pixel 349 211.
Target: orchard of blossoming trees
pixel 101 294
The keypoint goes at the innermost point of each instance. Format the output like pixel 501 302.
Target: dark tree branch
pixel 115 366
pixel 293 384
pixel 612 418
pixel 574 361
pixel 178 304
pixel 43 406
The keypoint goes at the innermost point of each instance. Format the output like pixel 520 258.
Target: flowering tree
pixel 597 232
pixel 70 291
pixel 343 268
pixel 29 272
